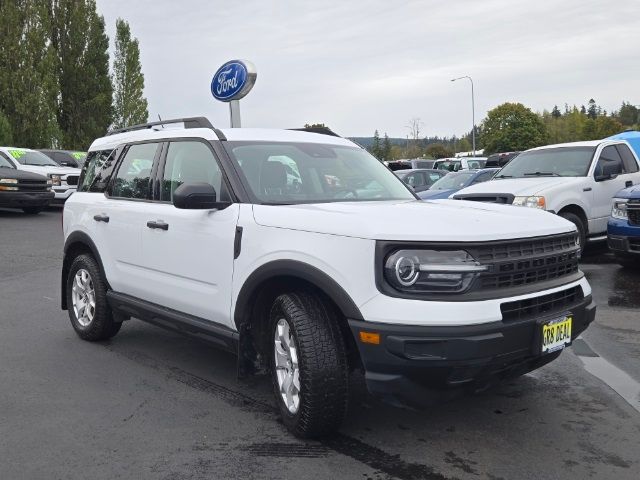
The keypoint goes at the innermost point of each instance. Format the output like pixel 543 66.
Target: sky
pixel 358 66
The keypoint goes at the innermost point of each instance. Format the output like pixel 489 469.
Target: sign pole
pixel 234 113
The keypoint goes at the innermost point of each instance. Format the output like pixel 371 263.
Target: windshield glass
pixel 452 180
pixel 26 157
pixel 289 173
pixel 451 165
pixel 4 163
pixel 556 162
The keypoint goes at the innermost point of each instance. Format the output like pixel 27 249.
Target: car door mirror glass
pixel 197 196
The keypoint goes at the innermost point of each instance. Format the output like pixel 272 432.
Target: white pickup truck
pixel 575 180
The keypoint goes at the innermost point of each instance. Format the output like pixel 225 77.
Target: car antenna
pixel 161 126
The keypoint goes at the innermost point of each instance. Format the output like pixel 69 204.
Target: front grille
pixel 634 244
pixel 539 306
pixel 72 179
pixel 526 262
pixel 633 211
pixel 502 198
pixel 32 185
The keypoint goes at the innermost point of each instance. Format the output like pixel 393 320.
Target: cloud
pixel 361 66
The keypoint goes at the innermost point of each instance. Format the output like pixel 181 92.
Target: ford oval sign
pixel 233 80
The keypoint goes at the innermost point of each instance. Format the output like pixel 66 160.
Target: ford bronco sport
pixel 200 230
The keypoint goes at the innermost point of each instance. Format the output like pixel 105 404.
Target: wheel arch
pixel 76 244
pixel 276 277
pixel 579 212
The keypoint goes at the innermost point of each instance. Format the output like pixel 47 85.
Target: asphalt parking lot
pixel 152 404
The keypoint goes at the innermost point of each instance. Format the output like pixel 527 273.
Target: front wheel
pixel 89 311
pixel 582 233
pixel 308 365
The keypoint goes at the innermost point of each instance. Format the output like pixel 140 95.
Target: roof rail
pixel 320 130
pixel 190 122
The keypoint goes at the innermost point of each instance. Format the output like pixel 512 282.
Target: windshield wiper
pixel 504 176
pixel 541 174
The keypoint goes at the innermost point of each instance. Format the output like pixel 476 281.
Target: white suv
pixel 200 230
pixel 64 180
pixel 575 180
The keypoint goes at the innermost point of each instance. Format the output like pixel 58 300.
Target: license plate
pixel 556 334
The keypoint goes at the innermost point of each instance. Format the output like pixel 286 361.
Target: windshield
pixel 290 173
pixel 450 165
pixel 4 163
pixel 555 162
pixel 26 157
pixel 452 180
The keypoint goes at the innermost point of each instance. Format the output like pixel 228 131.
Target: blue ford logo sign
pixel 233 80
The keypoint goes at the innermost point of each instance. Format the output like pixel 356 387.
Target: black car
pixel 500 159
pixel 66 158
pixel 420 179
pixel 19 189
pixel 409 164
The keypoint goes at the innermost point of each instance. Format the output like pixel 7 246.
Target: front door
pixel 188 254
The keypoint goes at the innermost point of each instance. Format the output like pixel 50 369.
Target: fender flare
pixel 296 269
pixel 76 238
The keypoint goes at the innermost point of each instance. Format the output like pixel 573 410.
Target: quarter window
pixel 191 162
pixel 96 171
pixel 133 179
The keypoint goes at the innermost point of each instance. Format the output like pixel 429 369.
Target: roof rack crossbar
pixel 190 122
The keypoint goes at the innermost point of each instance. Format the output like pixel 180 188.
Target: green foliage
pixel 6 135
pixel 78 35
pixel 512 126
pixel 376 148
pixel 629 115
pixel 438 150
pixel 130 105
pixel 386 148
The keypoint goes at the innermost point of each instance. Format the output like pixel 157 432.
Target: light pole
pixel 473 112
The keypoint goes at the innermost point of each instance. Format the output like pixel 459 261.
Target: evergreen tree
pixel 386 147
pixel 6 137
pixel 555 113
pixel 592 111
pixel 628 114
pixel 130 105
pixel 583 110
pixel 28 84
pixel 78 35
pixel 376 149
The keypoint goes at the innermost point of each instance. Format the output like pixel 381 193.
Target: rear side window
pixel 133 179
pixel 628 160
pixel 97 171
pixel 414 179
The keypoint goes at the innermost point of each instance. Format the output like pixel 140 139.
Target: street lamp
pixel 473 112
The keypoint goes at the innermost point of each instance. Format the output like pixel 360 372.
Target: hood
pixel 521 186
pixel 21 174
pixel 50 169
pixel 631 192
pixel 435 194
pixel 413 220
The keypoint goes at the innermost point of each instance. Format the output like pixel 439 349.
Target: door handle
pixel 159 224
pixel 101 218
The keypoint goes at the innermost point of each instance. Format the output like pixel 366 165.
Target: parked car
pixel 64 180
pixel 24 190
pixel 66 158
pixel 462 163
pixel 454 181
pixel 500 159
pixel 624 227
pixel 409 164
pixel 197 229
pixel 575 180
pixel 420 179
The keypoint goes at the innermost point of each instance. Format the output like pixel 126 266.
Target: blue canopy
pixel 631 136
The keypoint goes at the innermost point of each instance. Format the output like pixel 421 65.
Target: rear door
pixel 189 265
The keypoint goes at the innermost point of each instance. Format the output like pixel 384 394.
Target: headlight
pixel 532 201
pixel 55 179
pixel 619 209
pixel 431 271
pixel 5 182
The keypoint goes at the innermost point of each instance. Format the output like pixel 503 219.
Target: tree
pixel 6 137
pixel 555 113
pixel 85 106
pixel 592 110
pixel 414 126
pixel 512 126
pixel 438 150
pixel 129 103
pixel 28 84
pixel 628 114
pixel 376 148
pixel 386 147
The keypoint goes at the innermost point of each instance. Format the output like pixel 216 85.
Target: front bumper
pixel 623 239
pixel 62 194
pixel 25 199
pixel 418 365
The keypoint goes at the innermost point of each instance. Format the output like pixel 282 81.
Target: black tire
pixel 582 232
pixel 322 361
pixel 102 326
pixel 32 210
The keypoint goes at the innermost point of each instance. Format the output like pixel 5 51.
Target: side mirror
pixel 197 196
pixel 609 171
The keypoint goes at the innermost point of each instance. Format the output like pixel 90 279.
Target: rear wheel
pixel 89 311
pixel 582 232
pixel 32 210
pixel 308 365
